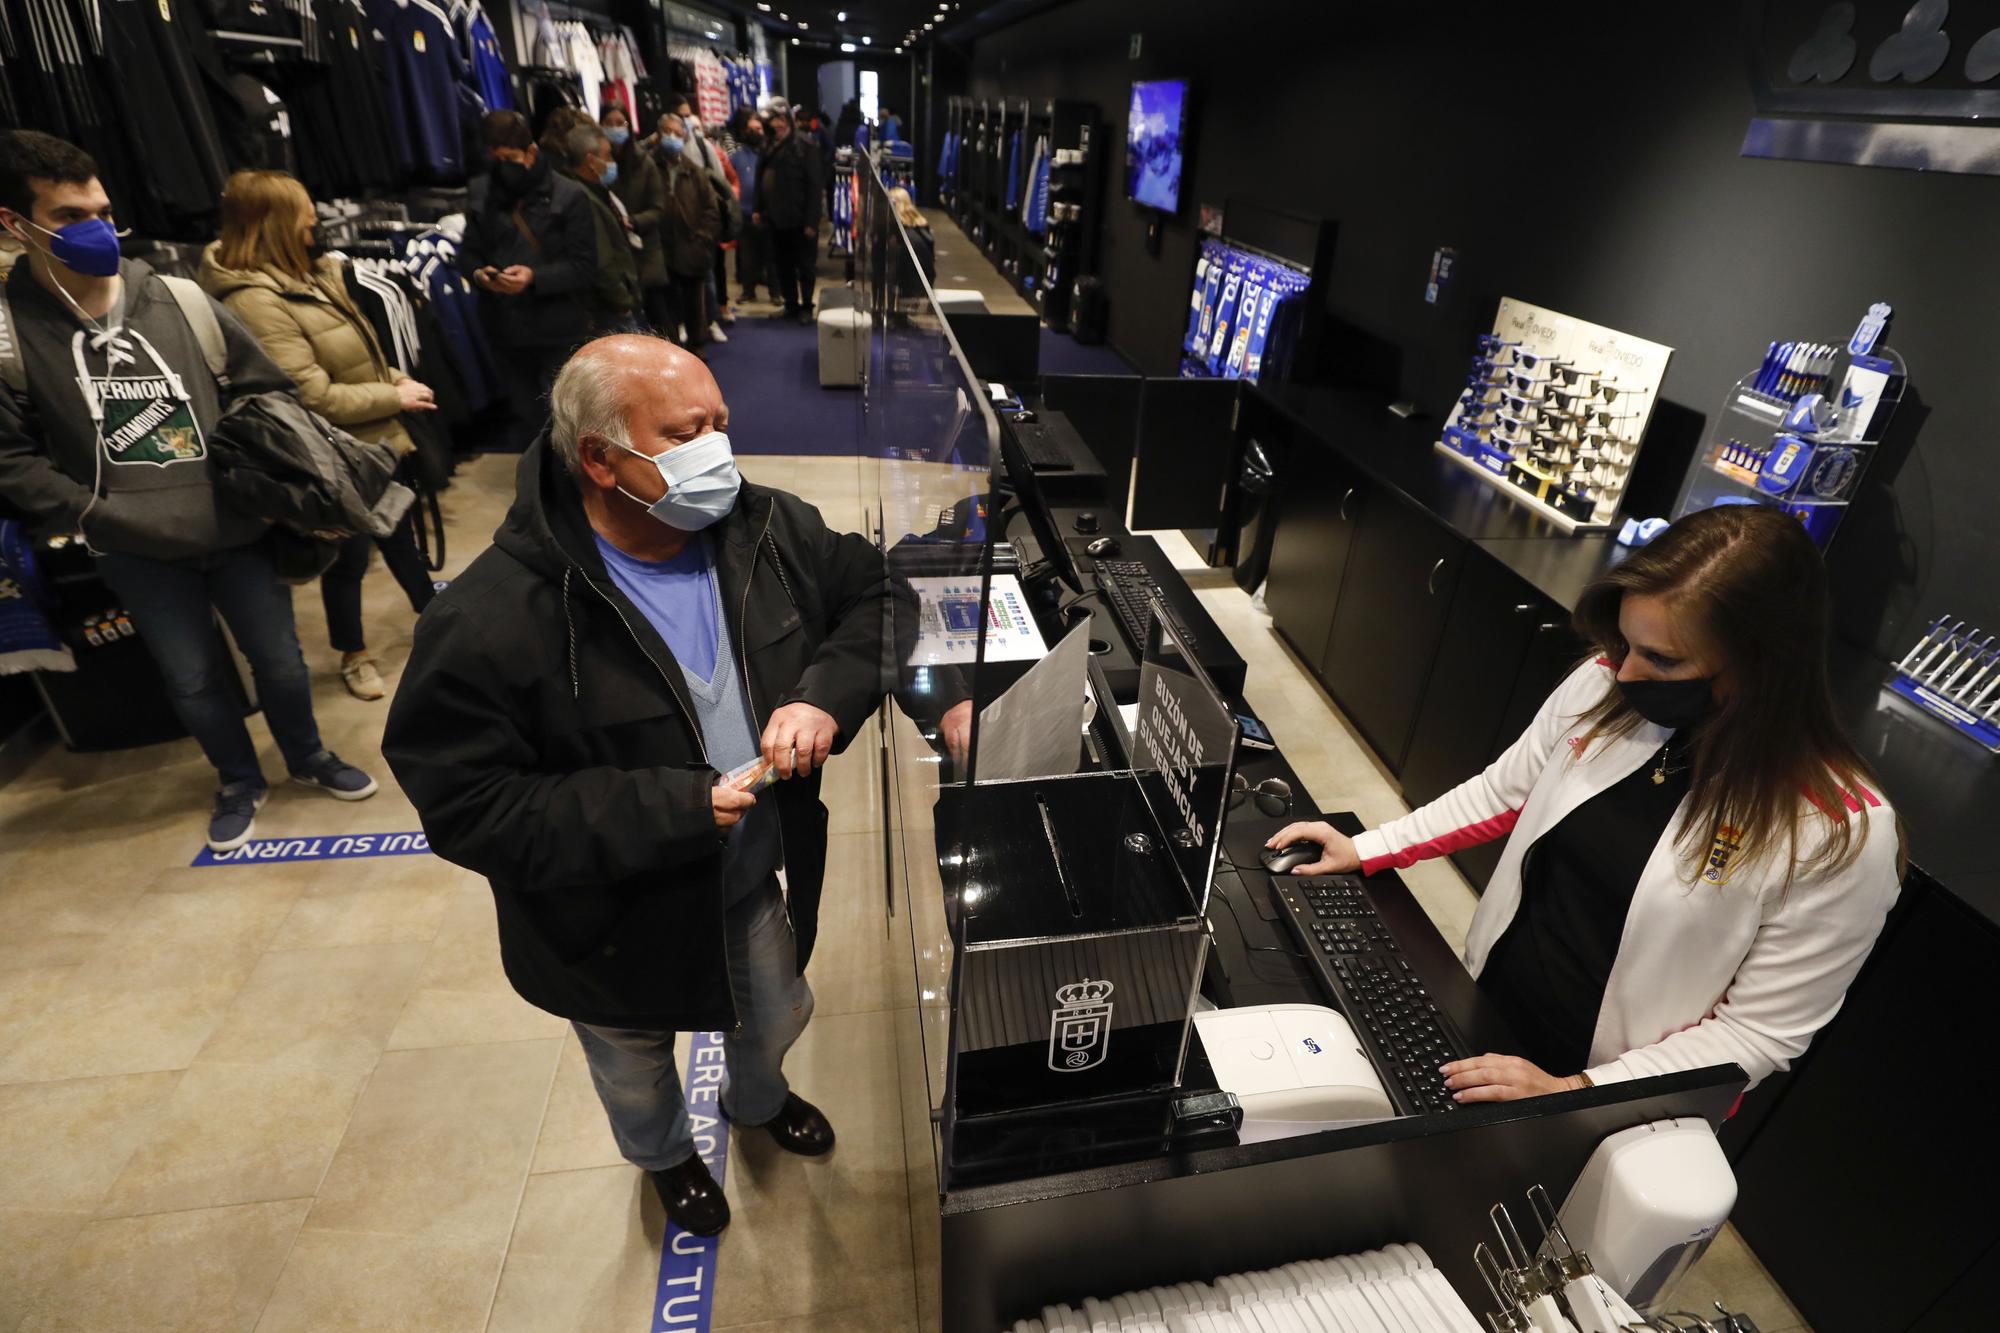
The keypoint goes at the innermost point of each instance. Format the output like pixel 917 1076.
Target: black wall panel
pixel 1586 158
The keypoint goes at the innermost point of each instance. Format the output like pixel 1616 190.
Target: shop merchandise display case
pixel 1255 299
pixel 992 186
pixel 1800 432
pixel 1554 412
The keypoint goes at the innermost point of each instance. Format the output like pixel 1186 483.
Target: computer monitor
pixel 1007 348
pixel 1028 489
pixel 1154 128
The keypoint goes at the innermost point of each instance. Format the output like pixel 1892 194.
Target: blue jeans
pixel 173 604
pixel 635 1073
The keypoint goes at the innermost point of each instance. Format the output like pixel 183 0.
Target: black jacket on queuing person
pixel 643 191
pixel 548 227
pixel 543 731
pixel 788 184
pixel 692 220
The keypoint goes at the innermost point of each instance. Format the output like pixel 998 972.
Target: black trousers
pixel 753 260
pixel 797 256
pixel 687 305
pixel 340 586
pixel 530 371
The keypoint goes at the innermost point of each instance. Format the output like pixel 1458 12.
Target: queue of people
pixel 585 230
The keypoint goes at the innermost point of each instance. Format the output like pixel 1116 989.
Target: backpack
pixel 187 294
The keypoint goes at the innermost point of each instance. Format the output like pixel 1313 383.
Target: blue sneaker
pixel 235 815
pixel 336 777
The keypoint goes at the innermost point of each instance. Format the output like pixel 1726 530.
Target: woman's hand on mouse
pixel 1337 854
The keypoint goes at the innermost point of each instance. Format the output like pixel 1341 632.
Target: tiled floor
pixel 303 1097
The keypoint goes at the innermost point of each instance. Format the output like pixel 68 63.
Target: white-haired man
pixel 644 622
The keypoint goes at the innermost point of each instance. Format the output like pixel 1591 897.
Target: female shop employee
pixel 1698 861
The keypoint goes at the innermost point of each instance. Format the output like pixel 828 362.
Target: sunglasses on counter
pixel 1567 399
pixel 1525 383
pixel 1535 360
pixel 1493 342
pixel 1571 374
pixel 1273 795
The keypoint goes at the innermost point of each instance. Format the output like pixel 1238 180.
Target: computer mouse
pixel 1103 546
pixel 1280 860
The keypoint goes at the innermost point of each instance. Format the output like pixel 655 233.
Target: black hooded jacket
pixel 543 731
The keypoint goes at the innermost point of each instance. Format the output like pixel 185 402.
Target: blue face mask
pixel 619 135
pixel 609 177
pixel 89 247
pixel 701 478
pixel 672 145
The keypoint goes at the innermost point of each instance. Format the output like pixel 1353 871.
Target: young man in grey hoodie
pixel 110 439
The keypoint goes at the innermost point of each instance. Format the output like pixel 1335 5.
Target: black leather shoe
pixel 799 1128
pixel 692 1198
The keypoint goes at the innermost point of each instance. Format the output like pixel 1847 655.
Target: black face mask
pixel 1672 704
pixel 754 140
pixel 316 245
pixel 513 178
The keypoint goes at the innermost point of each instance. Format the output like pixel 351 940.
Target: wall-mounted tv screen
pixel 1153 154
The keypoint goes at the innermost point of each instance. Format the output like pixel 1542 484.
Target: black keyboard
pixel 1360 965
pixel 1045 452
pixel 1129 587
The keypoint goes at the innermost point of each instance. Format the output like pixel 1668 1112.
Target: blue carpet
pixel 769 373
pixel 1064 355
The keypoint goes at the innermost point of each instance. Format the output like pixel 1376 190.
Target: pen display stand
pixel 1554 412
pixel 1954 675
pixel 1755 454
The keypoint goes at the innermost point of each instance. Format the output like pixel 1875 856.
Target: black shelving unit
pixel 1045 268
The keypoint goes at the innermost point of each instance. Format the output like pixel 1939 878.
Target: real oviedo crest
pixel 1080 1026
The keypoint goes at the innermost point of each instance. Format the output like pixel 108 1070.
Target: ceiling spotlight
pixel 866 41
pixel 928 27
pixel 795 41
pixel 761 5
pixel 804 24
pixel 841 16
pixel 899 50
pixel 783 17
pixel 847 47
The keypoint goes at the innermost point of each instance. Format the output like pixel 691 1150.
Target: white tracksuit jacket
pixel 1719 963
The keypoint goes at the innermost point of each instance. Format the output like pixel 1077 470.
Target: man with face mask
pixel 614 293
pixel 644 623
pixel 531 248
pixel 687 232
pixel 104 431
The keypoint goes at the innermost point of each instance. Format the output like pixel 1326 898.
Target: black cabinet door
pixel 1553 652
pixel 1322 502
pixel 1869 1191
pixel 1393 606
pixel 1493 616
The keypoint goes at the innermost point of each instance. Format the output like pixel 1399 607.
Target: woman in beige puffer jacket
pixel 269 271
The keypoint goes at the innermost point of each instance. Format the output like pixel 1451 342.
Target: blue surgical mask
pixel 88 247
pixel 609 177
pixel 619 135
pixel 672 145
pixel 702 482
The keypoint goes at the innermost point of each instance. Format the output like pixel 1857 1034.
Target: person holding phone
pixel 531 248
pixel 1698 861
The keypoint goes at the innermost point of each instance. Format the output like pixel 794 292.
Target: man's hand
pixel 812 233
pixel 1337 854
pixel 798 739
pixel 956 726
pixel 414 397
pixel 512 280
pixel 730 805
pixel 1500 1078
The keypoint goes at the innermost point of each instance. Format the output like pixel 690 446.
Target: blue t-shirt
pixel 677 596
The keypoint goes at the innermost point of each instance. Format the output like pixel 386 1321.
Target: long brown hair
pixel 1748 587
pixel 261 212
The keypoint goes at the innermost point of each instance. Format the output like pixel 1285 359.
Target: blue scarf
pixel 28 642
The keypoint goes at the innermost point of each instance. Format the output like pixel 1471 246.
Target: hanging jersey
pixel 489 70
